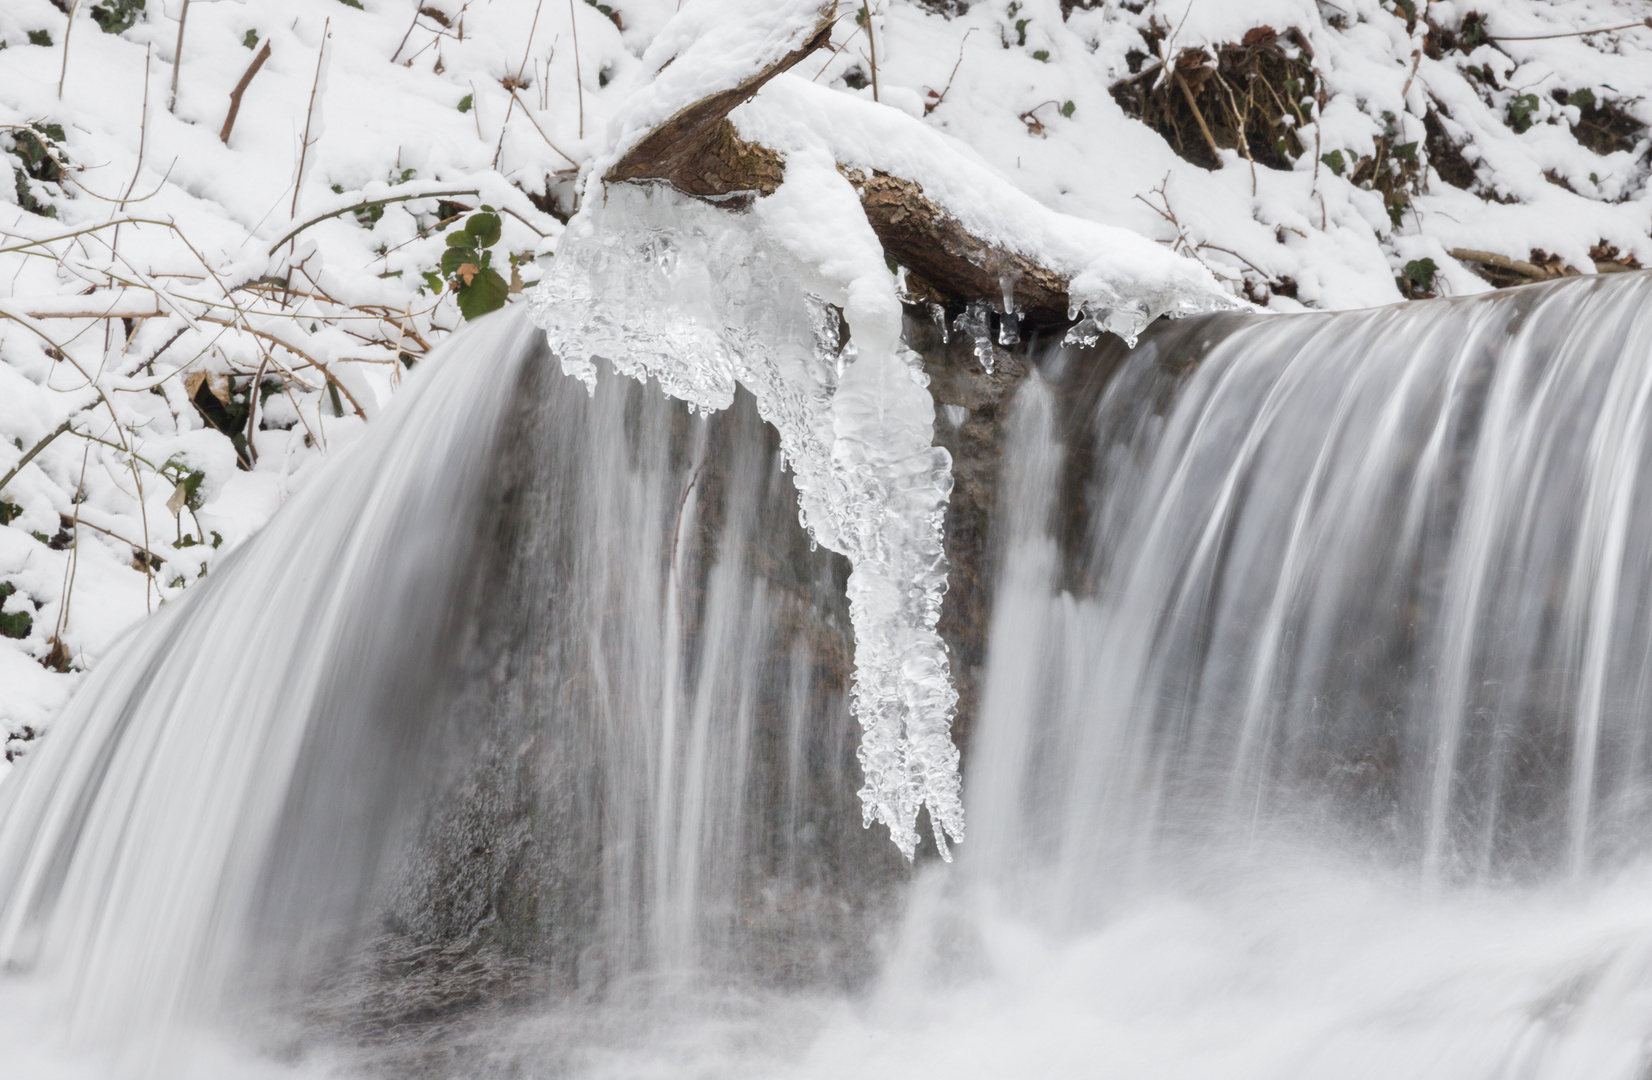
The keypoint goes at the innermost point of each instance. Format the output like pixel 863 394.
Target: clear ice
pixel 664 286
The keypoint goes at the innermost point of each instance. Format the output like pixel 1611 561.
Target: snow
pixel 706 48
pixel 1115 272
pixel 1082 188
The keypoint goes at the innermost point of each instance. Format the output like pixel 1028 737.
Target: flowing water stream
pixel 1313 738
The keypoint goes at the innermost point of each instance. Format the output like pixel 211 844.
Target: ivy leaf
pixel 1420 272
pixel 18 624
pixel 465 103
pixel 1334 161
pixel 117 16
pixel 1520 112
pixel 486 292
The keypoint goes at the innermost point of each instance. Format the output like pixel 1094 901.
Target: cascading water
pixel 1311 738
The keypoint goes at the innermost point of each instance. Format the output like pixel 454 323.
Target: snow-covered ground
pixel 165 285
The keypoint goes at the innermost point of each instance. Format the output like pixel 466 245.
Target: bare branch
pixel 241 88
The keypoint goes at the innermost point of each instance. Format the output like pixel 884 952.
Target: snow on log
pixel 699 152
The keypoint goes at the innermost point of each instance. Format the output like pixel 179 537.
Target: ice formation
pixel 669 287
pixel 704 298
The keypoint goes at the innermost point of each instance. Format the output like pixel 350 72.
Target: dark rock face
pixel 645 758
pixel 1092 410
pixel 958 379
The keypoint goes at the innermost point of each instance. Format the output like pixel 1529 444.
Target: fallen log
pixel 1532 271
pixel 699 152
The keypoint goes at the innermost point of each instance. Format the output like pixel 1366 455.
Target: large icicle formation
pixel 704 297
pixel 667 286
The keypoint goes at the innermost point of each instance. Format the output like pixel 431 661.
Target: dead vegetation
pixel 1603 126
pixel 42 167
pixel 1503 271
pixel 1252 97
pixel 1256 96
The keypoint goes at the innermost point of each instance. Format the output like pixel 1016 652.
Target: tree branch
pixel 241 88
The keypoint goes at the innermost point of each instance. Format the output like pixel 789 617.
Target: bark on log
pixel 699 153
pixel 946 263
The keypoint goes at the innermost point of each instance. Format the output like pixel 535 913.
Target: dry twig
pixel 241 88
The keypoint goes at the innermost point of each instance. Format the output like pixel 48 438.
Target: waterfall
pixel 1311 736
pixel 1380 570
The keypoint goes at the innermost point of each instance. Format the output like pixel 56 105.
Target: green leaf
pixel 433 281
pixel 1420 272
pixel 1067 109
pixel 352 3
pixel 1397 201
pixel 250 40
pixel 1409 9
pixel 9 512
pixel 464 103
pixel 117 16
pixel 1021 31
pixel 179 473
pixel 1406 152
pixel 1335 162
pixel 461 238
pixel 484 228
pixel 455 257
pixel 486 292
pixel 1583 99
pixel 1042 54
pixel 40 37
pixel 1520 112
pixel 18 624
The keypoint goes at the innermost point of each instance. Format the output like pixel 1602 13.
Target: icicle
pixel 938 314
pixel 976 324
pixel 667 287
pixel 1009 325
